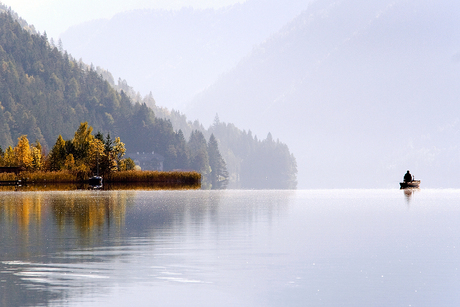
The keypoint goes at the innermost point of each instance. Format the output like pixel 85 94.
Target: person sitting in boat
pixel 407 177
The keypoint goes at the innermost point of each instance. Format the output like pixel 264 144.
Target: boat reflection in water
pixel 95 182
pixel 409 192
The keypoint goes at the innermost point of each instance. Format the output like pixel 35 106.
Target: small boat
pixel 95 182
pixel 410 184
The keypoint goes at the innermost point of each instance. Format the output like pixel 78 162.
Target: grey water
pixel 230 248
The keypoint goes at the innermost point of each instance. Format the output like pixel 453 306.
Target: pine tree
pixel 82 140
pixel 199 153
pixel 57 155
pixel 219 174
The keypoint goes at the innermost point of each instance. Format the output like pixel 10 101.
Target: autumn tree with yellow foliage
pixel 87 154
pixel 24 155
pixel 84 154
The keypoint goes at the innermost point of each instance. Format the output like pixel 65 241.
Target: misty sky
pixel 56 16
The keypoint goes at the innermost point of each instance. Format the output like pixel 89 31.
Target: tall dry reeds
pixel 64 176
pixel 49 177
pixel 155 177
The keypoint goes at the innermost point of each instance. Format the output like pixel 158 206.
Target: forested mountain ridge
pixel 44 93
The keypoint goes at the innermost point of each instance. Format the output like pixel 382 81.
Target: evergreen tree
pixel 82 140
pixel 199 153
pixel 219 174
pixel 37 157
pixel 57 155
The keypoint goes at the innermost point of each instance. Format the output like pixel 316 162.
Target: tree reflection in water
pixel 48 231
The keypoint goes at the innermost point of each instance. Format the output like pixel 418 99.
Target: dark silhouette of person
pixel 407 177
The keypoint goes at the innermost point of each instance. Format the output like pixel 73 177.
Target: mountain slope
pixel 360 91
pixel 44 93
pixel 176 54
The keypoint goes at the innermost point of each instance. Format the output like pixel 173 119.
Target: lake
pixel 230 248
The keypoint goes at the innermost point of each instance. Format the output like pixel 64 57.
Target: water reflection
pixel 56 244
pixel 409 192
pixel 37 226
pixel 89 215
pixel 229 248
pixel 28 212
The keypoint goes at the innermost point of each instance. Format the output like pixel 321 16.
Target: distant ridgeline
pixel 44 93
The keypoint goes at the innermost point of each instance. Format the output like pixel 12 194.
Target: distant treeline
pixel 44 92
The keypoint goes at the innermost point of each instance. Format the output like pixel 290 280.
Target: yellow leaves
pixel 75 166
pixel 8 157
pixel 22 152
pixel 83 138
pixel 119 149
pixel 37 159
pixel 24 155
pixel 69 162
pixel 81 156
pixel 60 143
pixel 126 165
pixel 96 152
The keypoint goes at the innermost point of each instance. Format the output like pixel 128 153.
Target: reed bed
pixel 176 177
pixel 49 177
pixel 149 186
pixel 45 187
pixel 8 177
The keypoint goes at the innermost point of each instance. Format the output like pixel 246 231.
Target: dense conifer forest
pixel 44 93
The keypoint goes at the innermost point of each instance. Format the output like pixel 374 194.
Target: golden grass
pixel 49 177
pixel 155 176
pixel 150 186
pixel 42 187
pixel 125 177
pixel 8 177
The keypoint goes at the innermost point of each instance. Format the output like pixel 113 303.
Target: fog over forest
pixel 359 90
pixel 176 54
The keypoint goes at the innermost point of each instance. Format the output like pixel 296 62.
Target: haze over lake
pixel 227 248
pixel 359 90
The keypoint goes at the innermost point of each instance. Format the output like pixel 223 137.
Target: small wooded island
pixel 76 160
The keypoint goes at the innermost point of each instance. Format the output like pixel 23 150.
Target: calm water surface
pixel 230 248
